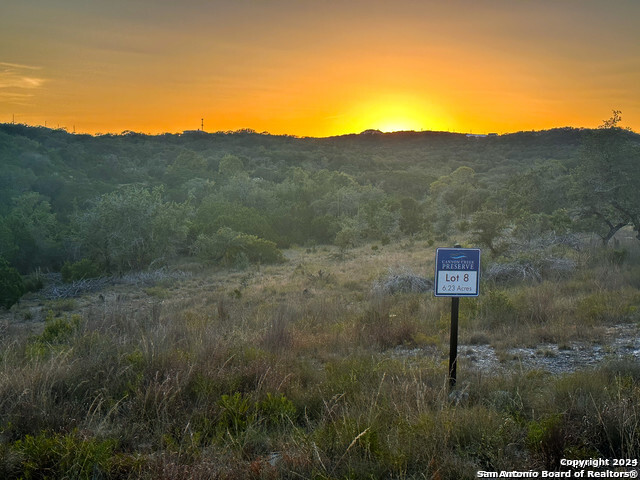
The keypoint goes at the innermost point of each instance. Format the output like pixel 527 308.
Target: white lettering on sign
pixel 457 265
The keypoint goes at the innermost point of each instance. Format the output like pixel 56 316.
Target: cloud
pixel 17 65
pixel 16 80
pixel 14 98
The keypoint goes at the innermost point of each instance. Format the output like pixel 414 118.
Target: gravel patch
pixel 622 341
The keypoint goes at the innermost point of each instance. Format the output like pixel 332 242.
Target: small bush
pixel 237 414
pixel 617 256
pixel 57 332
pixel 81 270
pixel 61 456
pixel 62 305
pixel 236 249
pixel 510 272
pixel 496 308
pixel 276 410
pixel 259 250
pixel 546 438
pixel 402 282
pixel 603 307
pixel 33 282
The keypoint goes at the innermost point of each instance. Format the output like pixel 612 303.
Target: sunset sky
pixel 319 68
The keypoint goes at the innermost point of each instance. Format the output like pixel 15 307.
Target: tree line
pixel 103 205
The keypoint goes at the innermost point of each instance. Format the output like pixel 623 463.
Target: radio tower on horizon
pixel 202 124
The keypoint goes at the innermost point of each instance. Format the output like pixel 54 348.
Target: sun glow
pixel 395 113
pixel 398 125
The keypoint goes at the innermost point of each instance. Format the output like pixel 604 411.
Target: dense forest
pixel 106 204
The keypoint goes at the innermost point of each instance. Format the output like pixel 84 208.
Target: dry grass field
pixel 323 368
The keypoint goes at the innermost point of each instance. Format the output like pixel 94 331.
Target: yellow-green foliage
pixel 60 456
pixel 56 334
pixel 158 292
pixel 80 270
pixel 607 306
pixel 62 305
pixel 546 438
pixel 495 308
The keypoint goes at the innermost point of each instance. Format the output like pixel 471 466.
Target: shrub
pixel 546 438
pixel 57 332
pixel 496 308
pixel 232 248
pixel 34 282
pixel 522 270
pixel 85 268
pixel 324 229
pixel 259 250
pixel 604 307
pixel 617 256
pixel 62 456
pixel 402 282
pixel 276 410
pixel 11 284
pixel 236 414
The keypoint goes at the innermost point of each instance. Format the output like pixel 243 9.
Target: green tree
pixel 605 186
pixel 231 166
pixel 411 216
pixel 187 165
pixel 349 234
pixel 452 198
pixel 487 228
pixel 215 213
pixel 323 229
pixel 460 190
pixel 8 246
pixel 378 214
pixel 11 284
pixel 132 227
pixel 196 189
pixel 31 232
pixel 535 202
pixel 541 189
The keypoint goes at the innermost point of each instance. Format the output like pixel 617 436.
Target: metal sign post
pixel 453 342
pixel 457 275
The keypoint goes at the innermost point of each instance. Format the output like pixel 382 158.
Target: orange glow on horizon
pixel 389 113
pixel 307 69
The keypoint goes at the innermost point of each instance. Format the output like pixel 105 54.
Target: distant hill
pixel 371 185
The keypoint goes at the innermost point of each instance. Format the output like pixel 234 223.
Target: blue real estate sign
pixel 457 272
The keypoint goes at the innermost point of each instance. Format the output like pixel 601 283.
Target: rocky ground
pixel 620 341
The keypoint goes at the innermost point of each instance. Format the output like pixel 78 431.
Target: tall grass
pixel 283 372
